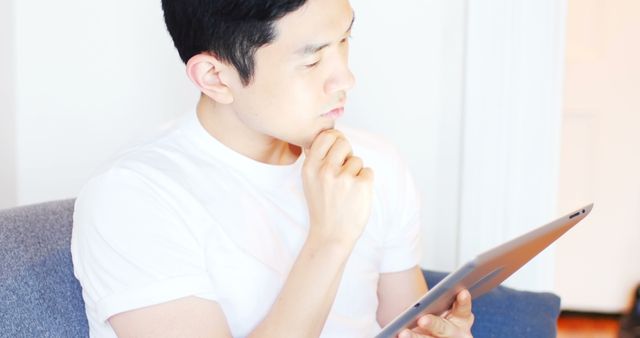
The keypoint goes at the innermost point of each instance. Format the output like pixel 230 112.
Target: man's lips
pixel 334 113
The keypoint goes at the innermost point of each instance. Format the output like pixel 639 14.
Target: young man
pixel 253 216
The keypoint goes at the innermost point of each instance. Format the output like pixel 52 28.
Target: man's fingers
pixel 339 152
pixel 462 305
pixel 366 174
pixel 352 166
pixel 459 318
pixel 436 326
pixel 321 144
pixel 412 334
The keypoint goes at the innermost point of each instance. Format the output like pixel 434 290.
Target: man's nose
pixel 341 80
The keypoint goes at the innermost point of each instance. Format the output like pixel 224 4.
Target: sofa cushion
pixel 39 296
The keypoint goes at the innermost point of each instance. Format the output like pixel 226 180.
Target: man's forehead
pixel 318 22
pixel 313 48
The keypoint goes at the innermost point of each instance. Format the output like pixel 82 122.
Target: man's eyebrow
pixel 312 49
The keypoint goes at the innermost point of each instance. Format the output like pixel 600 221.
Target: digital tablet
pixel 485 272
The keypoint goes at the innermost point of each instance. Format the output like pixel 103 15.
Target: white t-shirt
pixel 185 215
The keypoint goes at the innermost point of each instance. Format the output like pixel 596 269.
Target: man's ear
pixel 205 72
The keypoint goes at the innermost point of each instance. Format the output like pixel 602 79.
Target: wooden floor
pixel 587 326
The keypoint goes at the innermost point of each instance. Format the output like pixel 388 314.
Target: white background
pixel 470 93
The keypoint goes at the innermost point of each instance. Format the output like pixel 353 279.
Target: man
pixel 254 217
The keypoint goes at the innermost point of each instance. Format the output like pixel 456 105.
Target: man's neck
pixel 222 123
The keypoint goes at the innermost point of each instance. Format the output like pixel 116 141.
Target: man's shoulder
pixel 159 148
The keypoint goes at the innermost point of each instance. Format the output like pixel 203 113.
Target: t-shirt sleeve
pixel 131 248
pixel 402 248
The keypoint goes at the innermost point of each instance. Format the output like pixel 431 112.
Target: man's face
pixel 301 76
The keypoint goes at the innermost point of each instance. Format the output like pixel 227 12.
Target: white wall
pixel 512 113
pixel 8 196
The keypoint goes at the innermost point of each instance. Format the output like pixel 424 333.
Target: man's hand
pixel 338 189
pixel 455 323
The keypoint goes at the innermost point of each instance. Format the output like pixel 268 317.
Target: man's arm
pixel 398 290
pixel 185 317
pixel 318 265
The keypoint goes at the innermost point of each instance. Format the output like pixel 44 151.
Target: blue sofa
pixel 40 297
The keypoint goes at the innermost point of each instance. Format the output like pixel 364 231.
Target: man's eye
pixel 313 64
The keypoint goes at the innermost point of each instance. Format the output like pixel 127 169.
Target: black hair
pixel 230 29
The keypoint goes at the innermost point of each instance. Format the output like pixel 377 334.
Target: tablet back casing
pixel 485 272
